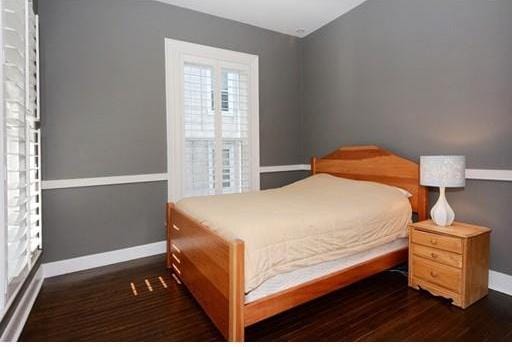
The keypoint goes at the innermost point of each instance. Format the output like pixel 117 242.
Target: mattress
pixel 291 279
pixel 315 220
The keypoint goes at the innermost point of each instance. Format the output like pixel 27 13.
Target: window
pixel 212 116
pixel 20 215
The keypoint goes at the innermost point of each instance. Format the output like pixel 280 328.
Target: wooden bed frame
pixel 213 268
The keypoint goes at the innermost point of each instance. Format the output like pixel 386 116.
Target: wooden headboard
pixel 371 163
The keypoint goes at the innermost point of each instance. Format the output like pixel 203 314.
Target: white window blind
pixel 20 236
pixel 213 139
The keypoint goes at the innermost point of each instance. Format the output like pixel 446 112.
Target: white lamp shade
pixel 443 170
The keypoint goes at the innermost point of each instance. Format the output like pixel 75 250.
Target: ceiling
pixel 292 17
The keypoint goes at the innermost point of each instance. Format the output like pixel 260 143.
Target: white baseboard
pixel 102 259
pixel 500 282
pixel 17 321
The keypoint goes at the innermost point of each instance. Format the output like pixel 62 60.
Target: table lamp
pixel 443 171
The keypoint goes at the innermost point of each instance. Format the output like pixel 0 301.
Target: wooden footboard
pixel 213 271
pixel 211 268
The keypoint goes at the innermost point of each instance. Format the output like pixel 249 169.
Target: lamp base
pixel 442 214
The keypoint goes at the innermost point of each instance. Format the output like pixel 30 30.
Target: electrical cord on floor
pixel 402 269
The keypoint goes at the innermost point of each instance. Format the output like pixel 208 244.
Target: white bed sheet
pixel 290 279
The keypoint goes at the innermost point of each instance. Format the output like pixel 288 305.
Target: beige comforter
pixel 318 219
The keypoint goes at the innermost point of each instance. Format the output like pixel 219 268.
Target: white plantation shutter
pixel 199 130
pixel 14 46
pixel 235 132
pixel 213 120
pixel 20 237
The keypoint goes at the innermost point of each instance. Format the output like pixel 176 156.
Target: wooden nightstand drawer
pixel 437 255
pixel 442 275
pixel 447 243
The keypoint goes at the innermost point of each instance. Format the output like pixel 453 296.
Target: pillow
pixel 404 192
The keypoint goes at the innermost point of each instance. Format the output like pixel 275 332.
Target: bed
pixel 246 257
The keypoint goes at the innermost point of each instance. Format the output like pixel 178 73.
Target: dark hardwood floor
pixel 99 305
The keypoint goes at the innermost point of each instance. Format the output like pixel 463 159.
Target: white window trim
pixel 174 52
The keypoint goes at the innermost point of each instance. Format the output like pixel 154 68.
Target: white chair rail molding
pixel 471 174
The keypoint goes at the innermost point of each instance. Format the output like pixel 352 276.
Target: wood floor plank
pixel 100 305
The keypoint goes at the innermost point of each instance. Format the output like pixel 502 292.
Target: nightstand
pixel 452 262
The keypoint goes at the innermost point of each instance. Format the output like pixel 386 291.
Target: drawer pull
pixel 433 241
pixel 176 258
pixel 433 274
pixel 175 227
pixel 433 255
pixel 176 269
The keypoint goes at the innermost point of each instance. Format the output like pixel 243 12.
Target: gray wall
pixel 414 76
pixel 103 113
pixel 420 77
